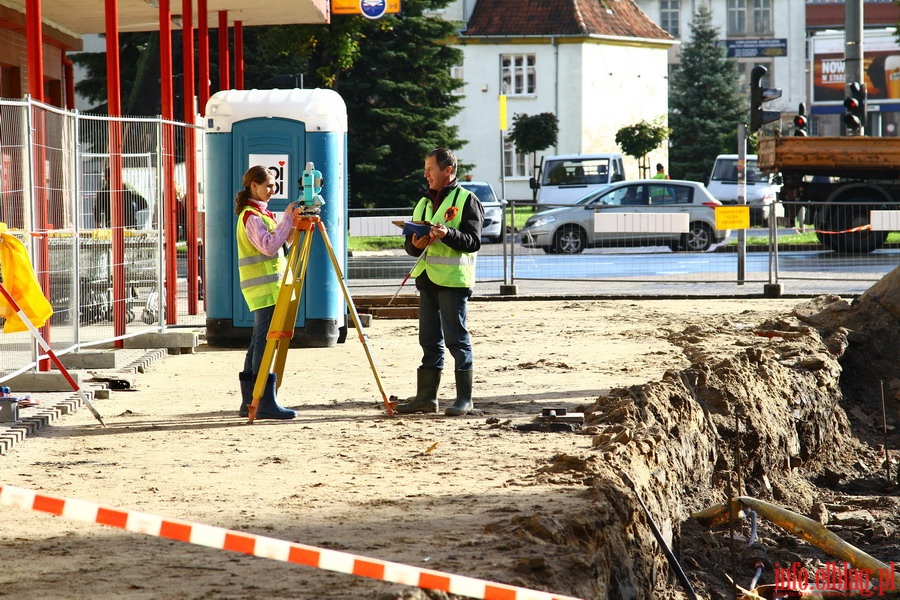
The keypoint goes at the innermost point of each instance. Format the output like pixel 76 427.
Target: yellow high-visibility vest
pixel 444 265
pixel 260 274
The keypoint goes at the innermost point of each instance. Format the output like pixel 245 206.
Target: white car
pixel 492 228
pixel 760 195
pixel 634 204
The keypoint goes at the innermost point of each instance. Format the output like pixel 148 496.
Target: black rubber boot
pixel 427 383
pixel 463 403
pixel 268 406
pixel 247 380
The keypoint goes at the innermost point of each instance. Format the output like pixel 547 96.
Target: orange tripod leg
pixel 389 403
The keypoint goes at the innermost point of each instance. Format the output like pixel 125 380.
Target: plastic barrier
pixel 266 547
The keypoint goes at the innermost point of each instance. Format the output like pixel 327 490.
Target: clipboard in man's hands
pixel 419 228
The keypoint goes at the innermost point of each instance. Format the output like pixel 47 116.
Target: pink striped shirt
pixel 267 242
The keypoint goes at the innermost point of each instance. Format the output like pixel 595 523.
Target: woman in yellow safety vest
pixel 261 264
pixel 445 277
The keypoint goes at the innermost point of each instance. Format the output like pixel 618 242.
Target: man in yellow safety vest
pixel 445 278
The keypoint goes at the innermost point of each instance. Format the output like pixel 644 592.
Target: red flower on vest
pixel 450 214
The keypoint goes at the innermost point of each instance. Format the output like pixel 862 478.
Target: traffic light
pixel 801 123
pixel 758 95
pixel 855 117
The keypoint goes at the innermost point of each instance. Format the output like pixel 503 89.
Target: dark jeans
pixel 442 320
pixel 262 318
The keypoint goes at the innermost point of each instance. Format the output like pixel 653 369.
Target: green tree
pixel 394 76
pixel 705 103
pixel 641 139
pixel 533 133
pixel 138 75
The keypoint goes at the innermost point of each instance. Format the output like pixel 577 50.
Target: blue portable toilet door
pixel 279 144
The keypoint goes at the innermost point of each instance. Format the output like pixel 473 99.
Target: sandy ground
pixel 426 491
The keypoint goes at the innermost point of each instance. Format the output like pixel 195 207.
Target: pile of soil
pixel 767 418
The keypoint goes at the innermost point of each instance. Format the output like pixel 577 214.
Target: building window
pixel 517 77
pixel 737 17
pixel 457 73
pixel 669 16
pixel 762 17
pixel 515 164
pixel 749 17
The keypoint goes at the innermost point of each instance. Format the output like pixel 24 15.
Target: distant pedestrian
pixel 660 172
pixel 132 204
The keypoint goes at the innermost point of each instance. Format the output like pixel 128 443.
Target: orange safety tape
pixel 852 230
pixel 266 547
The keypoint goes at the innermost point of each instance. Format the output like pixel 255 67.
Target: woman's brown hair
pixel 255 174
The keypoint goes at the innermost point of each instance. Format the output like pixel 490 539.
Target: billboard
pixel 881 67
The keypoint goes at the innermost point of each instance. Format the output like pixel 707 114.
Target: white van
pixel 760 194
pixel 562 180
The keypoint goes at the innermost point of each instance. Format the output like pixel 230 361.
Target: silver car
pixel 492 226
pixel 647 212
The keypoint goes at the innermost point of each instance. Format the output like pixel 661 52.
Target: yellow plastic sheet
pixel 20 281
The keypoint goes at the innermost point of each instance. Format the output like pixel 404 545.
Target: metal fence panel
pixel 55 196
pixel 635 262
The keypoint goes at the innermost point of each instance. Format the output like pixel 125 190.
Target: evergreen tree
pixel 400 101
pixel 394 76
pixel 705 103
pixel 138 75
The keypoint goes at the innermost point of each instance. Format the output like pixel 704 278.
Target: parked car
pixel 760 194
pixel 492 228
pixel 569 230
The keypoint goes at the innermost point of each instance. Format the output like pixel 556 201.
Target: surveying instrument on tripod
pixel 306 222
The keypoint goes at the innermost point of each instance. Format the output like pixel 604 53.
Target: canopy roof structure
pixel 81 17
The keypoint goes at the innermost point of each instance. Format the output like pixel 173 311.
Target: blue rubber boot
pixel 268 406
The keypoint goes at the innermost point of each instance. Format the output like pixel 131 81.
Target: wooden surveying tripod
pixel 306 222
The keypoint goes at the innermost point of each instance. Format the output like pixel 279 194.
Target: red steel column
pixel 114 102
pixel 203 57
pixel 35 36
pixel 165 58
pixel 167 195
pixel 238 55
pixel 224 63
pixel 190 157
pixel 69 74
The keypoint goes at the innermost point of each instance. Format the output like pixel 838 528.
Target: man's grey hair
pixel 444 158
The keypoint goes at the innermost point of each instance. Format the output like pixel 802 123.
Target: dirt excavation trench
pixel 792 415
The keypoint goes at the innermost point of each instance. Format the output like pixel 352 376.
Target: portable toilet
pixel 283 130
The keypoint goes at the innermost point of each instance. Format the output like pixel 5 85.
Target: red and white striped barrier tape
pixel 266 547
pixel 851 230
